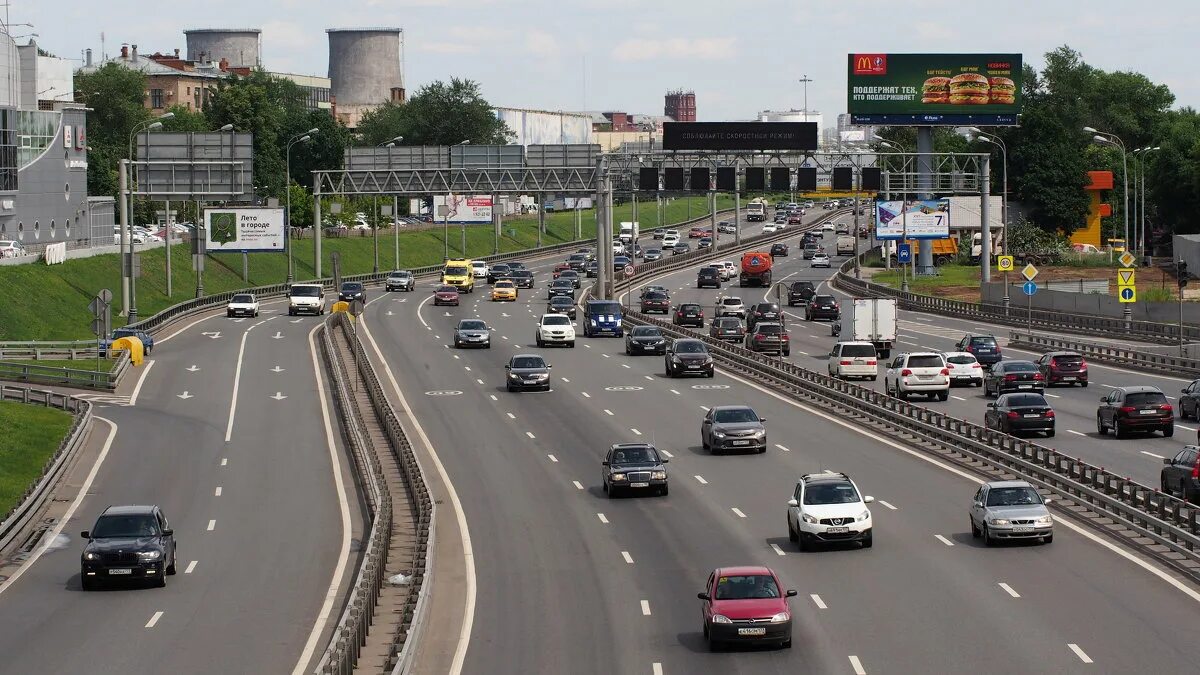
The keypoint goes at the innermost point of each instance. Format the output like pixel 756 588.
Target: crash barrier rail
pixel 1141 360
pixel 1166 521
pixel 70 377
pixel 349 636
pixel 1017 316
pixel 415 608
pixel 17 521
pixel 33 349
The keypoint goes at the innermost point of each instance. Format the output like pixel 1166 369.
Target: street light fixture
pixel 1140 168
pixel 298 138
pixel 1105 138
pixel 226 127
pixel 126 231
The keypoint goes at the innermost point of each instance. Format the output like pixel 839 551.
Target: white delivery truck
pixel 846 244
pixel 756 211
pixel 874 321
pixel 628 233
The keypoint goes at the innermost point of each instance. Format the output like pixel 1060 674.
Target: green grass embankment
pixel 31 435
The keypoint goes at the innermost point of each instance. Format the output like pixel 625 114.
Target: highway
pixel 570 581
pixel 228 435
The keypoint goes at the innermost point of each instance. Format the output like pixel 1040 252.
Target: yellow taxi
pixel 504 289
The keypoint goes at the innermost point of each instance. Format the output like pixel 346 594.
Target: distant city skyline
pixel 572 56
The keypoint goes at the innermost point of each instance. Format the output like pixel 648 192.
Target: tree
pixel 115 95
pixel 186 120
pixel 262 105
pixel 324 151
pixel 438 114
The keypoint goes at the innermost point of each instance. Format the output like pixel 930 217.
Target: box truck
pixel 874 320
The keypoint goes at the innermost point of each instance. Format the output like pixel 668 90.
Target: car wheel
pixel 703 442
pixel 987 536
pixel 1168 431
pixel 1048 539
pixel 571 344
pixel 228 315
pixel 943 395
pixel 1050 433
pixel 1100 428
pixel 509 386
pixel 160 582
pixel 868 541
pixel 1117 430
pixel 86 583
pixel 1085 383
pixel 664 491
pixel 804 544
pixel 975 530
pixel 612 492
pixel 171 567
pixel 1164 488
pixel 256 313
pixel 792 536
pixel 291 312
pixel 540 343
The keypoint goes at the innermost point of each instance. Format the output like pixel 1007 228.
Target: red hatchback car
pixel 445 295
pixel 746 605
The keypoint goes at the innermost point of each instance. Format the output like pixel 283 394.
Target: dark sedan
pixel 689 357
pixel 527 372
pixel 705 242
pixel 572 276
pixel 769 337
pixel 592 269
pixel 1189 403
pixel 1126 409
pixel 621 262
pixel 522 278
pixel 445 295
pixel 1016 413
pixel 128 543
pixel 498 271
pixel 727 328
pixel 823 307
pixel 562 304
pixel 689 314
pixel 652 254
pixel 1067 368
pixel 1181 474
pixel 681 248
pixel 1009 376
pixel 351 291
pixel 561 287
pixel 656 301
pixel 763 311
pixel 779 249
pixel 645 340
pixel 708 276
pixel 634 466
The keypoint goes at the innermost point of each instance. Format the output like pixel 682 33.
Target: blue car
pixel 146 338
pixel 602 317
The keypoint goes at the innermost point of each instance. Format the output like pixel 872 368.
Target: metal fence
pixel 37 349
pixel 69 377
pixel 1128 358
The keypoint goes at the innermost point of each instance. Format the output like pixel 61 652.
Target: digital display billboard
pixel 920 219
pixel 934 89
pixel 740 136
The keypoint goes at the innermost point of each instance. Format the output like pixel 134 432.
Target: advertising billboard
pixel 244 230
pixel 464 209
pixel 920 219
pixel 934 89
pixel 739 136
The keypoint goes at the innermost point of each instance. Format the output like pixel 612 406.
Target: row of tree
pixel 275 111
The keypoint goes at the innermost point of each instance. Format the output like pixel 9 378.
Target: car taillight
pixel 905 373
pixel 1083 365
pixel 1010 378
pixel 1013 415
pixel 701 315
pixel 785 337
pixel 945 371
pixel 1196 469
pixel 976 365
pixel 845 363
pixel 1128 410
pixel 1037 376
pixel 1166 407
pixel 1050 413
pixel 872 363
pixel 996 350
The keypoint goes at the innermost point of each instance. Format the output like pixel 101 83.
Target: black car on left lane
pixel 1016 413
pixel 634 466
pixel 645 340
pixel 351 291
pixel 525 372
pixel 688 356
pixel 128 543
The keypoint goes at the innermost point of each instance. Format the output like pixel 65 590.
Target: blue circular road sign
pixel 1029 287
pixel 1126 293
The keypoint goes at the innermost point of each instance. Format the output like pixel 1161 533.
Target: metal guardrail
pixel 17 521
pixel 1084 324
pixel 1129 358
pixel 341 654
pixel 70 377
pixel 35 349
pixel 1168 522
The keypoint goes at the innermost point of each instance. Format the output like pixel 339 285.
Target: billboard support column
pixel 167 244
pixel 198 235
pixel 375 233
pixel 498 220
pixel 985 231
pixel 541 203
pixel 857 188
pixel 124 248
pixel 317 228
pixel 925 186
pixel 737 217
pixel 245 267
pixel 887 196
pixel 396 228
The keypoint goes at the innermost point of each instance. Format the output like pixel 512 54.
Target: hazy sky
pixel 739 56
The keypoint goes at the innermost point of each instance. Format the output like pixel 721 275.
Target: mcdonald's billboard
pixel 934 89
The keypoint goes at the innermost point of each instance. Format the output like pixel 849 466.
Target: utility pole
pixel 805 79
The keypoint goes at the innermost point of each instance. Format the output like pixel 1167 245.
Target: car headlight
pixel 541 376
pixel 720 618
pixel 809 519
pixel 618 323
pixel 781 617
pixel 149 555
pixel 760 433
pixel 675 359
pixel 618 476
pixel 707 360
pixel 91 556
pixel 862 516
pixel 658 475
pixel 998 521
pixel 514 376
pixel 719 434
pixel 1044 520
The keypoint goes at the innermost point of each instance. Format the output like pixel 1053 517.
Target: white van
pixel 308 298
pixel 853 359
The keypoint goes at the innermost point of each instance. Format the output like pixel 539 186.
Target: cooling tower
pixel 364 69
pixel 241 47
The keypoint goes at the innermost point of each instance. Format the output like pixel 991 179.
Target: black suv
pixel 497 272
pixel 645 340
pixel 689 314
pixel 823 307
pixel 656 301
pixel 128 542
pixel 562 304
pixel 689 356
pixel 522 278
pixel 708 276
pixel 1127 409
pixel 1179 474
pixel 351 291
pixel 634 466
pixel 779 249
pixel 763 311
pixel 800 292
pixel 561 287
pixel 983 346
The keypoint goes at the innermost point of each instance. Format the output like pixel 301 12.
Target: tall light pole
pixel 887 259
pixel 287 242
pixel 997 141
pixel 375 207
pixel 395 215
pixel 1141 169
pixel 1104 138
pixel 126 229
pixel 804 80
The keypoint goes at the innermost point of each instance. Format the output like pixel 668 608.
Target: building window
pixel 35 131
pixel 156 98
pixel 37 229
pixel 189 91
pixel 67 228
pixel 52 228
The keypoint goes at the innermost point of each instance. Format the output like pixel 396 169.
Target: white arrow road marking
pixel 277 336
pixel 212 334
pixel 193 368
pixel 277 369
pixel 185 396
pixel 295 320
pixel 278 396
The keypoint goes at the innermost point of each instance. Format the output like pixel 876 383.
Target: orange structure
pixel 1098 182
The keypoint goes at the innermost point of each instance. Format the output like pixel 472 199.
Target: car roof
pixel 556 314
pixel 1007 484
pixel 744 571
pixel 1055 354
pixel 921 354
pixel 530 356
pixel 855 342
pixel 716 408
pixel 958 354
pixel 1140 389
pixel 623 446
pixel 130 509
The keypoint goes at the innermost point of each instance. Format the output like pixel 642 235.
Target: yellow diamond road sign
pixel 1004 263
pixel 1127 259
pixel 1029 272
pixel 1125 277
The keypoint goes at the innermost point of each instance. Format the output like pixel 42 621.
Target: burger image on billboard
pixel 1003 91
pixel 968 89
pixel 936 90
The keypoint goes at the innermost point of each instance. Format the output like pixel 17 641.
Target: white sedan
pixel 242 304
pixel 479 269
pixel 770 228
pixel 555 329
pixel 820 260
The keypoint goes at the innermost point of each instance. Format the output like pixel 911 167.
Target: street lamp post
pixel 1140 224
pixel 287 242
pixel 887 259
pixel 126 229
pixel 386 144
pixel 1105 138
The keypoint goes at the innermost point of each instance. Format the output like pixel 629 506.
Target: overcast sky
pixel 739 56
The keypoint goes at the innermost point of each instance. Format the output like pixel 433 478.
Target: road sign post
pixel 1005 264
pixel 102 319
pixel 1030 288
pixel 1126 290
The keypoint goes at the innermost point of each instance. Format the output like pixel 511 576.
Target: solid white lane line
pixel 1106 385
pixel 511 416
pixel 237 378
pixel 857 666
pixel 645 608
pixel 656 668
pixel 224 461
pixel 958 398
pixel 553 458
pixel 667 454
pixel 1080 653
pixel 628 558
pixel 608 412
pixel 1053 396
pixel 154 619
pixel 704 408
pixel 778 551
pixel 1180 426
pixel 1077 433
pixel 585 394
pixel 191 567
pixel 1144 452
pixel 530 434
pixel 138 388
pixel 738 512
pixel 635 431
pixel 1008 589
pixel 782 448
pixel 602 518
pixel 701 480
pixel 818 601
pixel 218 491
pixel 577 484
pixel 885 504
pixel 944 540
pixel 211 525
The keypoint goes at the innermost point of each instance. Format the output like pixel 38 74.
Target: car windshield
pixel 447 289
pixel 1068 360
pixel 306 291
pixel 653 251
pixel 131 526
pixel 656 296
pixel 802 286
pixel 690 347
pixel 126 332
pixel 522 273
pixel 1019 367
pixel 621 260
pixel 563 283
pixel 401 275
pixel 925 361
pixel 472 324
pixel 457 270
pixel 647 331
pixel 528 362
pixel 556 321
pixel 748 587
pixel 561 301
pixel 504 284
pixel 961 359
pixel 568 273
pixel 830 493
pixel 768 329
pixel 1145 398
pixel 634 456
pixel 734 416
pixel 983 341
pixel 243 297
pixel 1024 400
pixel 858 350
pixel 604 308
pixel 352 286
pixel 1013 496
pixel 499 269
pixel 577 256
pixel 708 271
pixel 728 322
pixel 767 307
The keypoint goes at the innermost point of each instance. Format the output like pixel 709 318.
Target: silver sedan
pixel 1010 509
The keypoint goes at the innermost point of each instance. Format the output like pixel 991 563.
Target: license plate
pixel 1033 415
pixel 1148 412
pixel 637 485
pixel 741 442
pixel 695 367
pixel 120 570
pixel 752 631
pixel 1068 379
pixel 838 530
pixel 984 351
pixel 1024 386
pixel 1022 529
pixel 531 381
